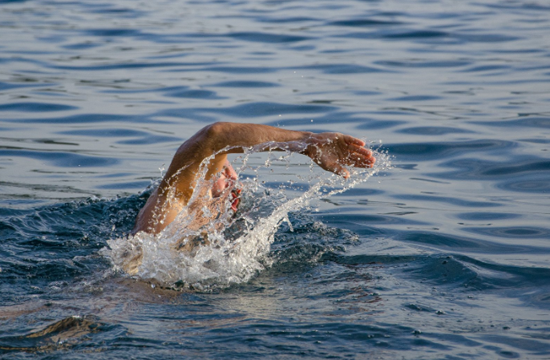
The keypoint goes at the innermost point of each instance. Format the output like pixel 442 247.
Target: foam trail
pixel 231 249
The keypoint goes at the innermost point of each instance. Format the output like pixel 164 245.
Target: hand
pixel 333 151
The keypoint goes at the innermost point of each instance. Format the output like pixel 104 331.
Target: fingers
pixel 363 163
pixel 338 151
pixel 360 150
pixel 366 163
pixel 361 157
pixel 353 141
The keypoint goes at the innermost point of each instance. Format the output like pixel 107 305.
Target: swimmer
pixel 331 151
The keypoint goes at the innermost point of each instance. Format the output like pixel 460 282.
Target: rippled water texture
pixel 446 256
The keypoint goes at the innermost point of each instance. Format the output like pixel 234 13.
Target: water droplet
pixel 216 256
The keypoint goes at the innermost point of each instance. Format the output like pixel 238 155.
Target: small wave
pixel 35 107
pixel 227 249
pixel 62 334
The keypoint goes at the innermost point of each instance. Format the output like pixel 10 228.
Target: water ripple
pixel 86 118
pixel 36 107
pixel 510 232
pixel 342 69
pixel 60 159
pixel 433 130
pixel 484 216
pixel 529 170
pixel 428 261
pixel 441 150
pixel 526 121
pixel 246 84
pixel 250 110
pixel 420 63
pixel 363 23
pixel 268 38
pixel 461 243
pixel 448 200
pixel 140 137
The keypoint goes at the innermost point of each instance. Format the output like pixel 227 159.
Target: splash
pixel 230 247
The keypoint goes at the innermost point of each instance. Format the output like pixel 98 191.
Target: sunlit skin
pixel 227 180
pixel 331 151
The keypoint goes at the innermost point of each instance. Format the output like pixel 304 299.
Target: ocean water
pixel 444 253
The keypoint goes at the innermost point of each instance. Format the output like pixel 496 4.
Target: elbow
pixel 215 130
pixel 214 135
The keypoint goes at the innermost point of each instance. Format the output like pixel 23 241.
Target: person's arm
pixel 331 151
pixel 212 139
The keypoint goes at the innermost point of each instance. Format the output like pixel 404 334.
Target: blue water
pixel 445 256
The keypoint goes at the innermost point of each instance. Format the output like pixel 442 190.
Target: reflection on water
pixel 444 256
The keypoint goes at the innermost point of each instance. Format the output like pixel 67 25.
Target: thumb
pixel 342 171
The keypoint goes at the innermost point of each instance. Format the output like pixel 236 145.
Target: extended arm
pixel 215 137
pixel 331 151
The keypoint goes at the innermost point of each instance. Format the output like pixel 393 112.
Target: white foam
pixel 236 246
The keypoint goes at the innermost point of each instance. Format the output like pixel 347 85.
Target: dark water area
pixel 445 256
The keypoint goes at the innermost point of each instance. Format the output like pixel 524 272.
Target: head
pixel 226 180
pixel 225 185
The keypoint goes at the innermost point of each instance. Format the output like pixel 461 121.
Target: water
pixel 237 244
pixel 445 256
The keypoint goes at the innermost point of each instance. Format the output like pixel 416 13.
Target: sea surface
pixel 440 252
